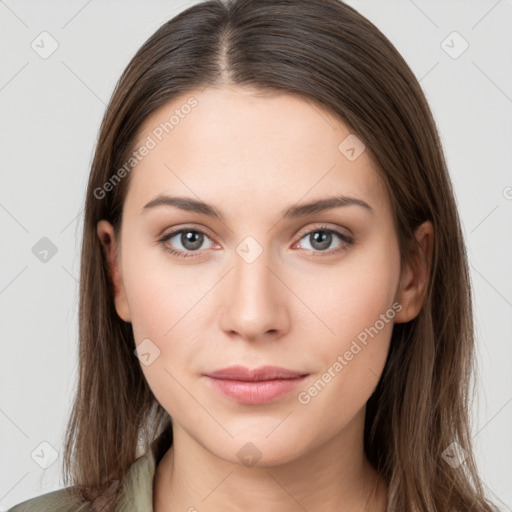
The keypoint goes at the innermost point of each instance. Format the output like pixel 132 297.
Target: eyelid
pixel 191 227
pixel 324 227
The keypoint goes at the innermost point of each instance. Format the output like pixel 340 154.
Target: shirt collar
pixel 137 489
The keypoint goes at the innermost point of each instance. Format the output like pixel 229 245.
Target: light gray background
pixel 50 114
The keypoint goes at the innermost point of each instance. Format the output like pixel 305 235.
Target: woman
pixel 275 308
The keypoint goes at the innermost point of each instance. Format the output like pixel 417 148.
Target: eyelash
pixel 346 241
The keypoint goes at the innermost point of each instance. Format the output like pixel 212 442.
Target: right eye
pixel 184 242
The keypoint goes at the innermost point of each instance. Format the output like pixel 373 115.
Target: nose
pixel 254 301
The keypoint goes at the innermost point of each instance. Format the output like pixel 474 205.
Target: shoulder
pixel 62 500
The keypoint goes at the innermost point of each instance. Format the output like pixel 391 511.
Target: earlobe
pixel 416 274
pixel 106 235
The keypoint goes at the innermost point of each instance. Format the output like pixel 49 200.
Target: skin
pixel 252 156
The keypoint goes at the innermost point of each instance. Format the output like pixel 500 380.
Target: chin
pixel 258 451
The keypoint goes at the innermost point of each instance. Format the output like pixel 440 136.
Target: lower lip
pixel 253 393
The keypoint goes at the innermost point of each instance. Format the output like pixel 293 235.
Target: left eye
pixel 321 239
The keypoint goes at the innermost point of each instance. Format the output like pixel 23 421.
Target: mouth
pixel 254 386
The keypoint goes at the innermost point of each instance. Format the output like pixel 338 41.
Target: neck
pixel 334 476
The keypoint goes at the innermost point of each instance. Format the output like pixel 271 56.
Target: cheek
pixel 161 295
pixel 351 295
pixel 356 303
pixel 164 306
pixel 165 300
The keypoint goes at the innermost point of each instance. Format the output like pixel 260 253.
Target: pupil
pixel 320 240
pixel 191 240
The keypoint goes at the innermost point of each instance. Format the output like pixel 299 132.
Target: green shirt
pixel 136 493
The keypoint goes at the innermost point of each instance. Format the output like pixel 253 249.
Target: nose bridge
pixel 254 304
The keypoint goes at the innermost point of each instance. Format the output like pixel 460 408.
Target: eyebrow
pixel 193 205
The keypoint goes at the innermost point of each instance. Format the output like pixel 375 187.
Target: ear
pixel 107 238
pixel 415 275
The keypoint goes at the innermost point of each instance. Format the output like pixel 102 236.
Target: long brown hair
pixel 326 52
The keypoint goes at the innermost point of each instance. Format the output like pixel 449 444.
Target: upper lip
pixel 255 374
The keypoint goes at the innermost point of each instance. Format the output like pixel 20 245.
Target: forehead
pixel 217 143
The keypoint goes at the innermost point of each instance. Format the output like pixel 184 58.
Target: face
pixel 256 280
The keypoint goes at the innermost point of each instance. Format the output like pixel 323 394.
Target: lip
pixel 254 386
pixel 255 374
